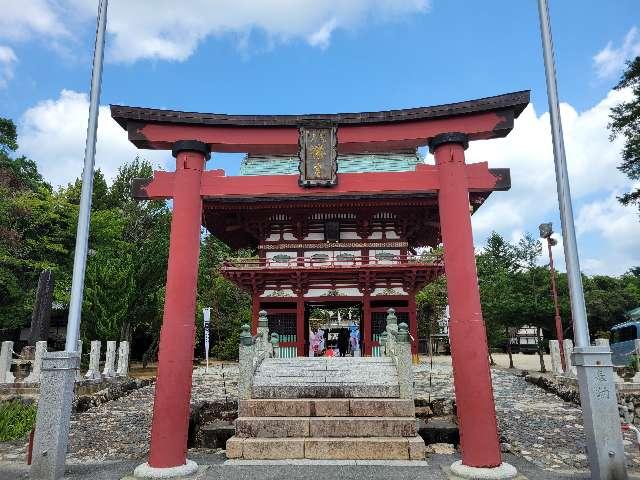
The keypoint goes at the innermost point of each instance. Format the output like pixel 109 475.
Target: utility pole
pixel 546 230
pixel 59 368
pixel 594 368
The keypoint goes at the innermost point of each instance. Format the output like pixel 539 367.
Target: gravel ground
pixel 534 424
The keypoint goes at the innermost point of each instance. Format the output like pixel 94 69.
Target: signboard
pixel 318 156
pixel 206 315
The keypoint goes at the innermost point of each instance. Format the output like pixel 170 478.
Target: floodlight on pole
pixel 546 230
pixel 593 364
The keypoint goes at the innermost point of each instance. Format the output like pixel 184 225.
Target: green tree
pixel 34 232
pixel 496 266
pixel 625 121
pixel 431 305
pixel 230 306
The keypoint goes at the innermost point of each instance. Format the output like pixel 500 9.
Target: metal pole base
pixel 600 412
pixel 147 471
pixel 54 413
pixel 504 471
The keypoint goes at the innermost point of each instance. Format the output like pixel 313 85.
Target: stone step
pixel 338 407
pixel 321 427
pixel 370 448
pixel 325 390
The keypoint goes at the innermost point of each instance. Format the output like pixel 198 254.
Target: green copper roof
pixel 286 165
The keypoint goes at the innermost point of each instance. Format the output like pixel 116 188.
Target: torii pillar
pixel 477 423
pixel 170 425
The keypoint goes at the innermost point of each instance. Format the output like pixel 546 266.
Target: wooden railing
pixel 336 261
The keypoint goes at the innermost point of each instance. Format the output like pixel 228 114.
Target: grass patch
pixel 16 420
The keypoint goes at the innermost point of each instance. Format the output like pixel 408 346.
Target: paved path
pixel 218 470
pixel 535 424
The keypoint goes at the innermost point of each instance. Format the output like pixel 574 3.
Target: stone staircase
pixel 326 409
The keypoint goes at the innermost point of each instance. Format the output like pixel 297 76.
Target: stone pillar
pixel 41 314
pixel 123 359
pixel 36 368
pixel 78 372
pixel 6 357
pixel 245 364
pixel 404 362
pixel 556 359
pixel 170 424
pixel 94 362
pixel 109 369
pixel 263 341
pixel 52 433
pixel 392 322
pixel 275 345
pixel 477 423
pixel 568 350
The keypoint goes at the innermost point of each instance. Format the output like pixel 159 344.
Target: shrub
pixel 17 419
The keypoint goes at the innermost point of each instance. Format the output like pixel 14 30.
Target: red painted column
pixel 366 325
pixel 170 425
pixel 413 322
pixel 300 324
pixel 255 310
pixel 467 335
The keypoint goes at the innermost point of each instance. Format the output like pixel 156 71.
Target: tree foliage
pixel 625 122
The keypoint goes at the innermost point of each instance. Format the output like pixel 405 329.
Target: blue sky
pixel 287 56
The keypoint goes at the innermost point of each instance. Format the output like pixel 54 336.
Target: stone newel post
pixel 404 362
pixel 123 359
pixel 245 360
pixel 568 350
pixel 110 360
pixel 34 376
pixel 94 361
pixel 5 362
pixel 556 361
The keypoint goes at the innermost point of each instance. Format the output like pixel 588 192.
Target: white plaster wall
pixel 399 291
pixel 391 234
pixel 315 236
pixel 270 256
pixel 289 236
pixel 373 253
pixel 349 236
pixel 355 253
pixel 269 293
pixel 321 292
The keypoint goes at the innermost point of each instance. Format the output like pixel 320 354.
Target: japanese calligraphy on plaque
pixel 318 156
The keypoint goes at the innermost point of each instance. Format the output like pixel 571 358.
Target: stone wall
pixel 567 390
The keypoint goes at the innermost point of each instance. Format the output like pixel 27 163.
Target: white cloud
pixel 592 160
pixel 172 30
pixel 609 61
pixel 21 19
pixel 618 227
pixel 8 59
pixel 53 133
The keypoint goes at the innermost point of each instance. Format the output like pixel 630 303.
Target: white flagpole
pixel 593 364
pixel 59 368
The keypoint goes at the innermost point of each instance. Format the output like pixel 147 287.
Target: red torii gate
pixel 446 129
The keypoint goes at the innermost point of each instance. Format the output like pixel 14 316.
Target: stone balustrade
pixel 34 362
pixel 253 350
pixel 396 344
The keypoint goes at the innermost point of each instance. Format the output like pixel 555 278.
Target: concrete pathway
pixel 218 469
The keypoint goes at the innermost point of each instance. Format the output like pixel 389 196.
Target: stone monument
pixel 41 315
